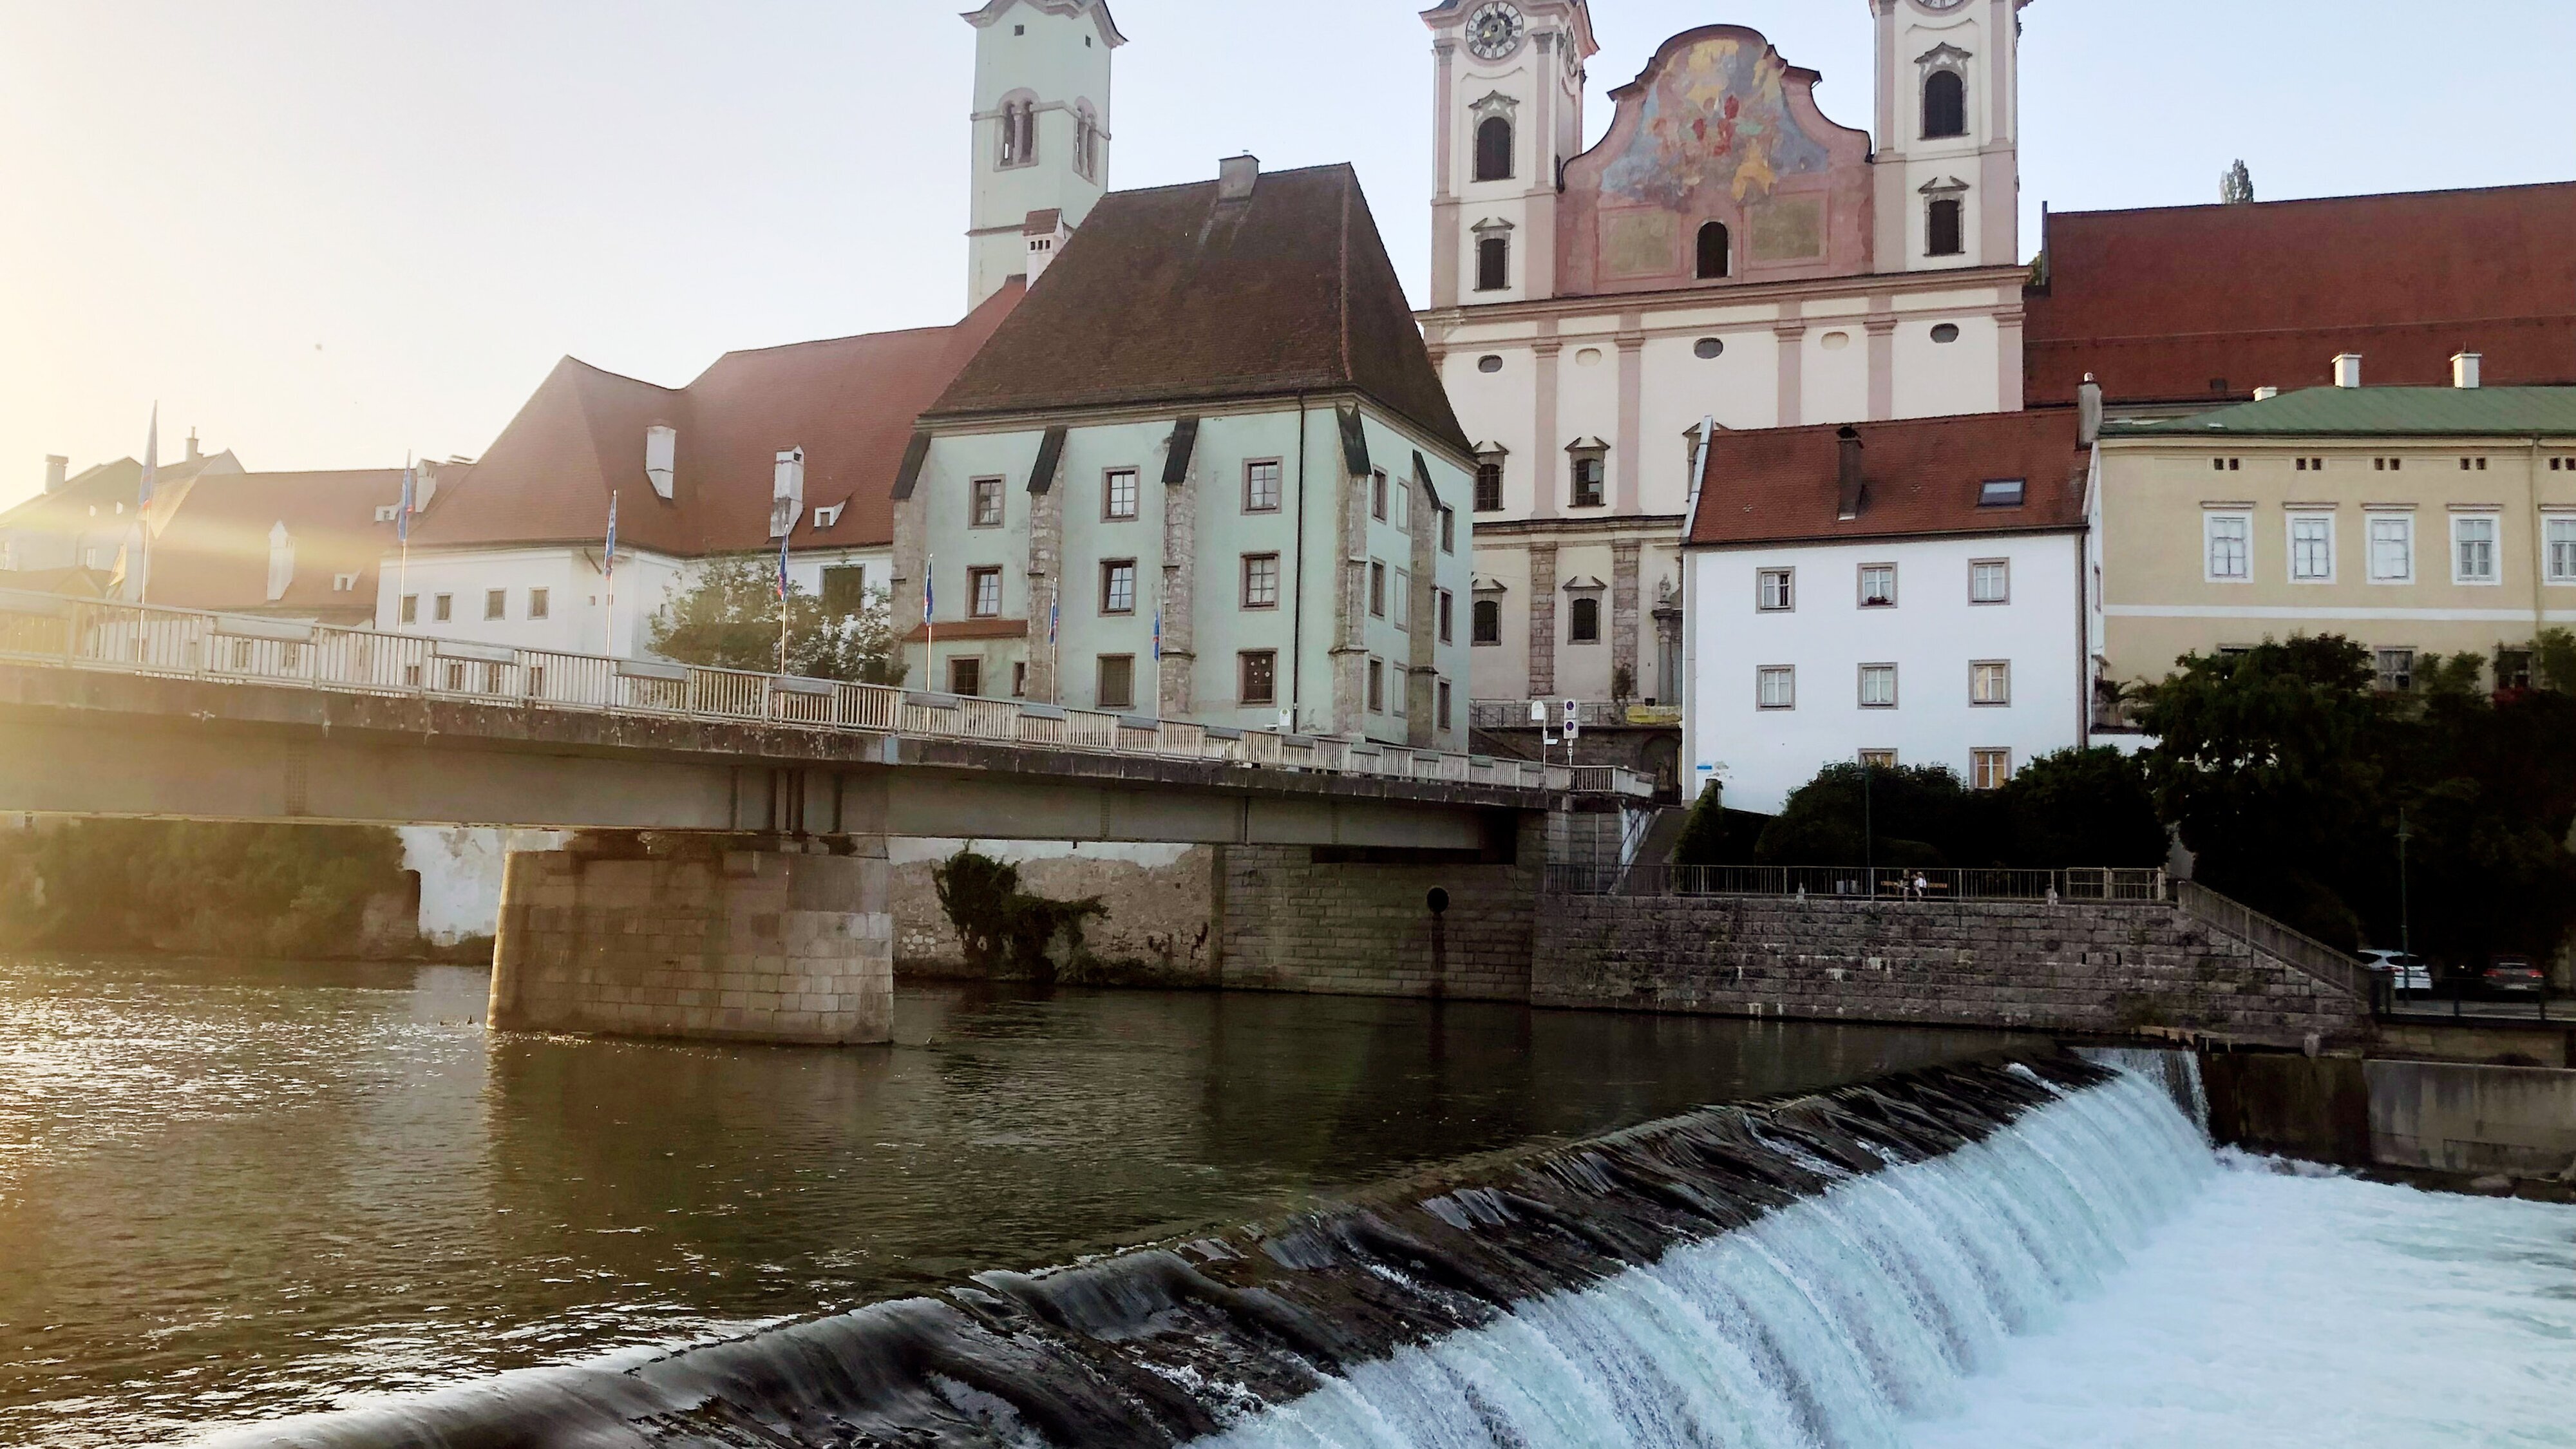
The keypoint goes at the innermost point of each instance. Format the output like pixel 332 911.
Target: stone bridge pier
pixel 713 937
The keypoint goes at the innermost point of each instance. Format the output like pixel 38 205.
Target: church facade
pixel 1725 254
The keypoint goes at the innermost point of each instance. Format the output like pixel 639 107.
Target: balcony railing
pixel 88 634
pixel 1501 714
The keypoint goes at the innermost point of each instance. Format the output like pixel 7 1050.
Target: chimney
pixel 2464 370
pixel 1848 508
pixel 1236 176
pixel 57 468
pixel 2266 394
pixel 2088 413
pixel 2347 369
pixel 194 452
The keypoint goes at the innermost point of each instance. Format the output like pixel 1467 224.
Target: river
pixel 231 1191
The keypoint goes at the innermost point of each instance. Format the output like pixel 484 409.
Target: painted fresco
pixel 1639 243
pixel 1716 116
pixel 1791 229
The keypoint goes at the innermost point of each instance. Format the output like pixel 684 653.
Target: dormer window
pixel 344 583
pixel 829 517
pixel 388 512
pixel 661 457
pixel 2000 493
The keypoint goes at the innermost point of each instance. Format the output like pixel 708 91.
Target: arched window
pixel 1941 229
pixel 1028 132
pixel 1945 105
pixel 1086 142
pixel 1715 251
pixel 1494 149
pixel 1586 625
pixel 1489 621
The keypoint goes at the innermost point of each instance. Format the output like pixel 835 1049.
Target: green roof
pixel 2519 412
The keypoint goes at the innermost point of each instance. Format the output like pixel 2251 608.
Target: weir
pixel 1801 1271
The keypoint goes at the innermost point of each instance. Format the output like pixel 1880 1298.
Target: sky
pixel 326 234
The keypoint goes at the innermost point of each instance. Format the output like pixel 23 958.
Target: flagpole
pixel 143 504
pixel 608 571
pixel 929 628
pixel 782 594
pixel 402 535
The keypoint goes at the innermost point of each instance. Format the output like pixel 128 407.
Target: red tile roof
pixel 213 554
pixel 1923 476
pixel 2202 303
pixel 848 402
pixel 1170 296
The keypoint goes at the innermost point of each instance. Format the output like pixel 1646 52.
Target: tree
pixel 728 619
pixel 1715 835
pixel 1002 926
pixel 2084 807
pixel 1901 815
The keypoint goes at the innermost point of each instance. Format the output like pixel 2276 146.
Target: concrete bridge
pixel 729 879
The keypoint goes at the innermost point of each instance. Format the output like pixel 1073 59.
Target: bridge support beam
pixel 722 938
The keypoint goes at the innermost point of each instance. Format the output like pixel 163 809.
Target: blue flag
pixel 1051 618
pixel 402 516
pixel 608 567
pixel 1158 635
pixel 928 576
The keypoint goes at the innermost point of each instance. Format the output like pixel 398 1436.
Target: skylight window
pixel 2000 493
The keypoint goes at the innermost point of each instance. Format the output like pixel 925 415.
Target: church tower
pixel 1040 157
pixel 1948 173
pixel 1509 88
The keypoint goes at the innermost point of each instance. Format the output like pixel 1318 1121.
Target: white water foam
pixel 1929 1305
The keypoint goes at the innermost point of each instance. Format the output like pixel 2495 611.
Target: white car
pixel 2405 973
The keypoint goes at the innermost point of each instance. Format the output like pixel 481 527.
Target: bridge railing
pixel 95 634
pixel 1847 882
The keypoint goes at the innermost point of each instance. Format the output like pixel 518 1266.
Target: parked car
pixel 2512 976
pixel 2406 974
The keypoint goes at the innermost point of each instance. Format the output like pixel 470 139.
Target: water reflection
pixel 230 1191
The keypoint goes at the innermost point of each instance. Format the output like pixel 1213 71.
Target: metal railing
pixel 1853 882
pixel 2260 931
pixel 89 634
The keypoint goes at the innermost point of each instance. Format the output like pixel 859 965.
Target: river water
pixel 231 1191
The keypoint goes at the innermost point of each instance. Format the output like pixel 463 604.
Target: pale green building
pixel 1204 471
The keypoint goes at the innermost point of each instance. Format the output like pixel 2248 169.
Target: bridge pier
pixel 707 937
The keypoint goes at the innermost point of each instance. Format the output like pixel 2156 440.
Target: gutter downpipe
pixel 2539 549
pixel 1297 606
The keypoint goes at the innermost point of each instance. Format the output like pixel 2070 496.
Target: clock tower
pixel 1040 157
pixel 1508 76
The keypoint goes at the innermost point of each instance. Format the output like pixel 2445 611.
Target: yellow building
pixel 2410 520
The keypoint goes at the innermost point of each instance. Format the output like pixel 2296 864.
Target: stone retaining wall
pixel 1289 922
pixel 2067 967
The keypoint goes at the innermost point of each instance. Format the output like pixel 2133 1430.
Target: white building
pixel 1911 593
pixel 1724 249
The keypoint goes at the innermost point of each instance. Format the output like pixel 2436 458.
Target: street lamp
pixel 2405 921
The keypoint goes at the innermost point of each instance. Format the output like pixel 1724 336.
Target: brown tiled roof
pixel 2195 303
pixel 1922 476
pixel 1170 296
pixel 106 485
pixel 213 554
pixel 848 402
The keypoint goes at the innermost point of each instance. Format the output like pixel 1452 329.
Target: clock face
pixel 1940 4
pixel 1495 31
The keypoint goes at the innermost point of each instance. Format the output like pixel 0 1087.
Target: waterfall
pixel 1807 1272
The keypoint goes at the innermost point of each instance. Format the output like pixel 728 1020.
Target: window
pixel 1989 769
pixel 1716 251
pixel 1116 687
pixel 496 603
pixel 1490 362
pixel 410 609
pixel 1118 494
pixel 1404 507
pixel 2561 534
pixel 1775 686
pixel 2396 670
pixel 1775 590
pixel 2312 548
pixel 966 677
pixel 1945 333
pixel 1377 495
pixel 1494 149
pixel 2226 465
pixel 1990 682
pixel 845 590
pixel 1878 759
pixel 1399 608
pixel 442 607
pixel 1485 618
pixel 1401 695
pixel 1708 347
pixel 1019 133
pixel 1019 679
pixel 1878 586
pixel 1945 105
pixel 1377 588
pixel 1118 586
pixel 2388 465
pixel 1493 263
pixel 1989 581
pixel 1448 530
pixel 985 509
pixel 2312 465
pixel 1086 142
pixel 1376 687
pixel 829 517
pixel 1584 621
pixel 2473 548
pixel 1588 471
pixel 1261 581
pixel 2001 493
pixel 2480 462
pixel 2392 548
pixel 1941 230
pixel 1878 686
pixel 2513 669
pixel 1489 487
pixel 1257 671
pixel 540 604
pixel 1261 486
pixel 2227 537
pixel 984 593
pixel 1440 693
pixel 1447 606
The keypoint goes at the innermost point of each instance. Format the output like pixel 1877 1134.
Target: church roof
pixel 849 402
pixel 1921 477
pixel 2207 303
pixel 1172 296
